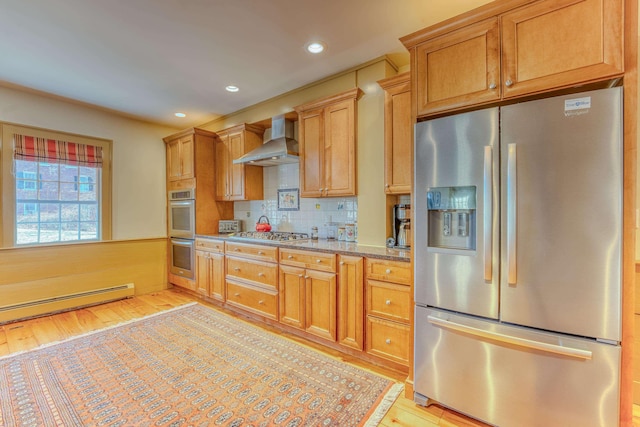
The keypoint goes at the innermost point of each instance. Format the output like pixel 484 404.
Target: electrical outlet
pixel 248 214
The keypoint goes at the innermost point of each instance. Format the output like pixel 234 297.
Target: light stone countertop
pixel 328 246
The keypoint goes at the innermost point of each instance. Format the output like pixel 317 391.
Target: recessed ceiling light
pixel 180 115
pixel 232 88
pixel 315 47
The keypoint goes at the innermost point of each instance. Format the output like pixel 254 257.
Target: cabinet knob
pixel 261 274
pixel 237 294
pixel 236 249
pixel 386 186
pixel 290 257
pixel 306 277
pixel 300 275
pixel 388 271
pixel 319 261
pixel 261 302
pixel 388 340
pixel 260 253
pixel 508 83
pixel 492 85
pixel 236 269
pixel 388 302
pixel 341 262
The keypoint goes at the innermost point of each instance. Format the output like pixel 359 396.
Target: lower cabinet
pixel 251 279
pixel 308 296
pixel 351 301
pixel 388 306
pixel 210 268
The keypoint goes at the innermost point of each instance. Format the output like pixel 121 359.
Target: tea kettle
pixel 263 225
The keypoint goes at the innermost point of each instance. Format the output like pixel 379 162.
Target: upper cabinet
pixel 238 181
pixel 180 157
pixel 327 137
pixel 503 51
pixel 398 133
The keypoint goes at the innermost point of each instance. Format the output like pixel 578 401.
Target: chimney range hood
pixel 280 149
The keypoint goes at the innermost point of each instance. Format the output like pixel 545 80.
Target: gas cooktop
pixel 278 236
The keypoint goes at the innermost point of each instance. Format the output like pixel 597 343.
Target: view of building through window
pixel 56 202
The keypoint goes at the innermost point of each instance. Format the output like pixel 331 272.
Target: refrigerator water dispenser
pixel 452 217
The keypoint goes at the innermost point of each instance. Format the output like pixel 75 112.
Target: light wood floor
pixel 28 334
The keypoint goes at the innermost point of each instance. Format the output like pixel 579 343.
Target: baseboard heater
pixel 44 306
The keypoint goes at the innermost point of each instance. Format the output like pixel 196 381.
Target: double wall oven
pixel 182 232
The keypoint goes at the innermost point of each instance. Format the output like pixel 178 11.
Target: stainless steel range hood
pixel 280 149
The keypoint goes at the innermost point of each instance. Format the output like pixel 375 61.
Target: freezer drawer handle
pixel 512 204
pixel 522 342
pixel 488 213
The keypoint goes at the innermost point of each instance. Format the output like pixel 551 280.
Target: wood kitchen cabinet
pixel 237 181
pixel 388 310
pixel 516 48
pixel 210 268
pixel 327 136
pixel 307 292
pixel 180 156
pixel 398 133
pixel 251 278
pixel 351 301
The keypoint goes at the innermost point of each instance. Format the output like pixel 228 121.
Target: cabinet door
pixel 187 153
pixel 216 275
pixel 398 138
pixel 311 136
pixel 235 175
pixel 340 149
pixel 292 296
pixel 222 167
pixel 321 304
pixel 559 43
pixel 459 68
pixel 174 170
pixel 202 273
pixel 350 302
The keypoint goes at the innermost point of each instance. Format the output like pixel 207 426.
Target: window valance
pixel 35 149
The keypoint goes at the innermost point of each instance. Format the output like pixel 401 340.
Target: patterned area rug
pixel 190 366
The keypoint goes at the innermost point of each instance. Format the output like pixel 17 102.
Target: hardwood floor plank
pixel 46 331
pixel 4 346
pixel 20 337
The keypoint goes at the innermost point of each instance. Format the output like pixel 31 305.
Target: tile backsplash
pixel 313 212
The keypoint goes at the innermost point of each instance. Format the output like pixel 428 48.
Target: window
pixel 56 187
pixel 65 207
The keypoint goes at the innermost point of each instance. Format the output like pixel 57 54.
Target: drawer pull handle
pixel 236 249
pixel 237 294
pixel 260 253
pixel 236 269
pixel 388 302
pixel 261 274
pixel 341 262
pixel 306 277
pixel 319 261
pixel 300 275
pixel 290 257
pixel 388 340
pixel 261 302
pixel 388 271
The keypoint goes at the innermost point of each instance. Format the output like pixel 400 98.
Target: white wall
pixel 139 187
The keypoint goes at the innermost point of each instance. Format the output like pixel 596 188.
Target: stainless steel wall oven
pixel 182 232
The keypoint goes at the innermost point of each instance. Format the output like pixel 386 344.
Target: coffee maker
pixel 402 225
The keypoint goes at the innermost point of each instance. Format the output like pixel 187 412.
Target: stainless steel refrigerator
pixel 518 253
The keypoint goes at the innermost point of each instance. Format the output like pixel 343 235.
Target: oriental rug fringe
pixel 189 366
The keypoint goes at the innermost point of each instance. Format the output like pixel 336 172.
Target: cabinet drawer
pixel 312 260
pixel 388 339
pixel 210 245
pixel 257 271
pixel 388 300
pixel 389 271
pixel 261 252
pixel 252 298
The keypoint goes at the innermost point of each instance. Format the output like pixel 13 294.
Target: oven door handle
pixel 182 203
pixel 182 242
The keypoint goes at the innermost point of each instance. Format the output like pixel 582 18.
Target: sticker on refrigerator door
pixel 577 103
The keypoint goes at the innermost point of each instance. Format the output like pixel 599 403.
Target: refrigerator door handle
pixel 488 213
pixel 512 203
pixel 510 339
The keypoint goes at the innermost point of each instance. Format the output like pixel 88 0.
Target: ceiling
pixel 151 58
